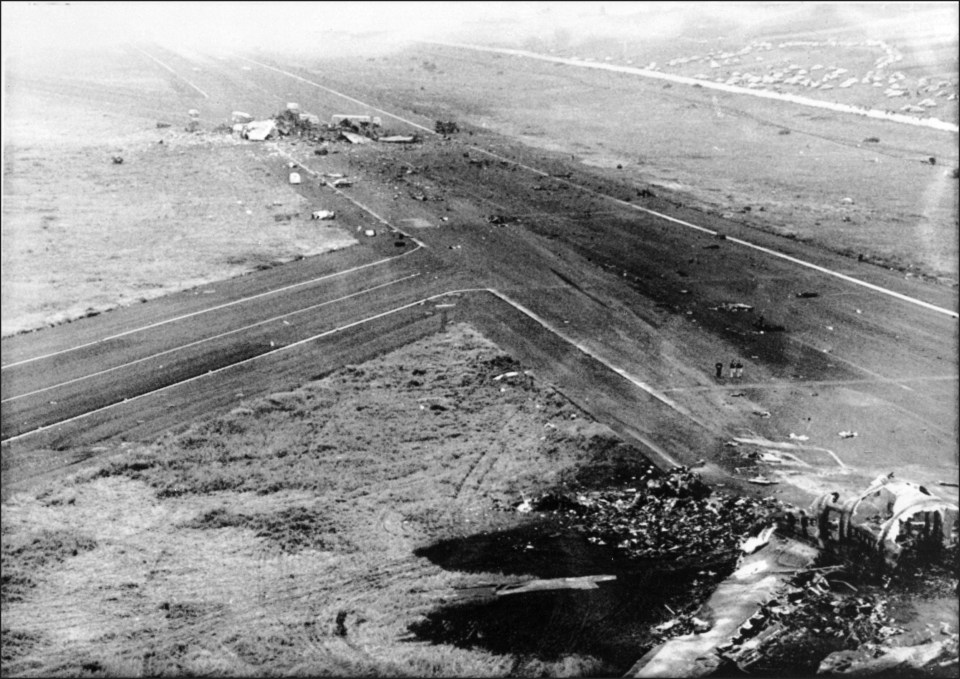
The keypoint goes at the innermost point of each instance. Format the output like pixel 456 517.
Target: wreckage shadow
pixel 607 626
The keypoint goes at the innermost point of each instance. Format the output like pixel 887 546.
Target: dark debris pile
pixel 808 621
pixel 665 517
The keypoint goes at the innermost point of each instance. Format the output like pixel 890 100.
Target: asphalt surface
pixel 575 275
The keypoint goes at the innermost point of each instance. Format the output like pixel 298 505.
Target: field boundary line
pixel 931 123
pixel 703 229
pixel 210 309
pixel 150 56
pixel 210 339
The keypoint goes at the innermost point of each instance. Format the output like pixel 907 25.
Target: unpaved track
pixel 637 290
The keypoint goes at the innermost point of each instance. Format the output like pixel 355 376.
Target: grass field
pixel 281 537
pixel 798 172
pixel 82 234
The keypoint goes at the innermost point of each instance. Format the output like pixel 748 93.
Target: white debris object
pixel 752 544
pixel 193 113
pixel 848 434
pixel 241 117
pixel 294 177
pixel 355 138
pixel 259 130
pixel 323 214
pixel 800 437
pixel 369 233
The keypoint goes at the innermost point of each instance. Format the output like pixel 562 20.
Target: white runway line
pixel 931 123
pixel 339 94
pixel 674 220
pixel 619 371
pixel 663 398
pixel 213 308
pixel 356 202
pixel 731 239
pixel 150 56
pixel 217 371
pixel 210 339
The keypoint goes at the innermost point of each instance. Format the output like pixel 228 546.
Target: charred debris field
pixel 363 524
pixel 436 511
pixel 450 507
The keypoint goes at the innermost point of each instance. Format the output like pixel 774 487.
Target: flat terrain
pixel 320 421
pixel 183 208
pixel 796 172
pixel 289 535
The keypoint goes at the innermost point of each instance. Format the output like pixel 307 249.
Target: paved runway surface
pixel 624 310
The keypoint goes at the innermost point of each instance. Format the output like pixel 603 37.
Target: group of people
pixel 736 369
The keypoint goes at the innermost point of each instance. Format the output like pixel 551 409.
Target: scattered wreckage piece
pixel 446 127
pixel 760 576
pixel 340 119
pixel 355 138
pixel 259 130
pixel 918 660
pixel 241 118
pixel 848 434
pixel 906 516
pixel 295 178
pixel 399 139
pixel 584 582
pixel 733 307
pixel 323 214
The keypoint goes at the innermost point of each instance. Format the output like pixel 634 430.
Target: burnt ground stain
pixel 610 624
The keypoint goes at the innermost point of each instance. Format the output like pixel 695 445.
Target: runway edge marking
pixel 496 293
pixel 738 241
pixel 210 339
pixel 213 308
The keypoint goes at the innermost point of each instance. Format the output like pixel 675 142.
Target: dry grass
pixel 280 538
pixel 721 153
pixel 82 234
